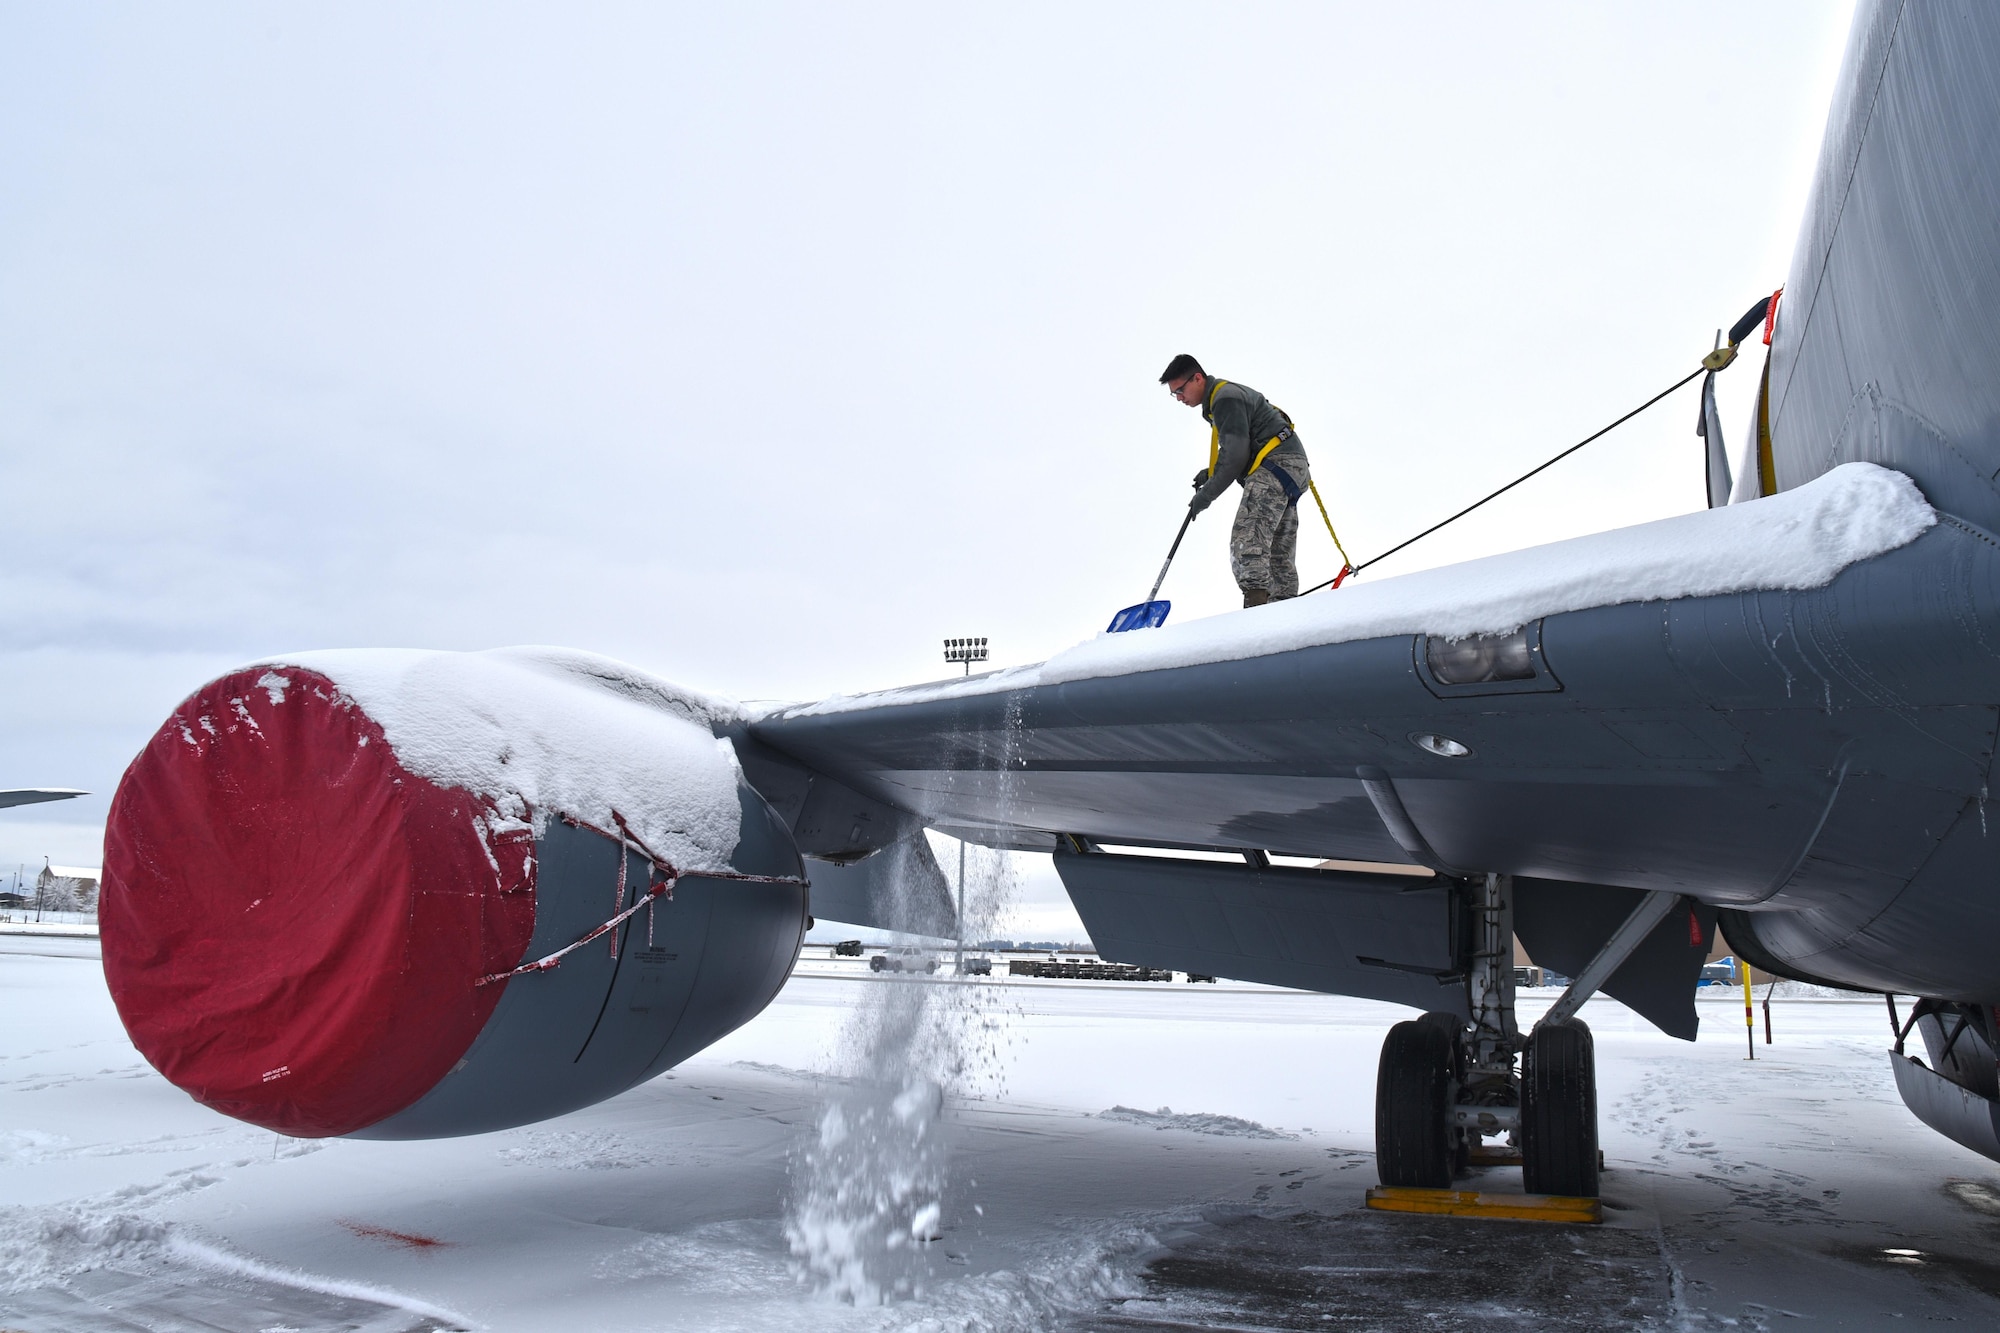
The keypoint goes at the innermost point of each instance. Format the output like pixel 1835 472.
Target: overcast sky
pixel 764 346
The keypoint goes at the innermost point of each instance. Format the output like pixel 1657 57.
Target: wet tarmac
pixel 1249 1272
pixel 1366 1270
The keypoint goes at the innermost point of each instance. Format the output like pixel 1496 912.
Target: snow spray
pixel 867 1212
pixel 868 1187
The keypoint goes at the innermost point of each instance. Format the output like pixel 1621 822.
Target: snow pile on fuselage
pixel 540 732
pixel 1796 540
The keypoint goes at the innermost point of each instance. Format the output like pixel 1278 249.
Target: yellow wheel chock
pixel 1475 1203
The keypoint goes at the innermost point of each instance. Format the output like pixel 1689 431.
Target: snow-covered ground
pixel 1790 1192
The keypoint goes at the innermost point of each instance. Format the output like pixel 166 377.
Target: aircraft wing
pixel 1792 755
pixel 36 795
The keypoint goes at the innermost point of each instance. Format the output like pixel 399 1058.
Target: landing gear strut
pixel 1444 1084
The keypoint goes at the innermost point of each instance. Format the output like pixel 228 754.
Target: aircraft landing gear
pixel 1549 1106
pixel 1559 1111
pixel 1445 1083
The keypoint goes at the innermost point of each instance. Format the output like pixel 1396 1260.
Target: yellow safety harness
pixel 1215 436
pixel 1215 455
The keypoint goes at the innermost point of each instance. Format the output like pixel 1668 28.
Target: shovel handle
pixel 1172 551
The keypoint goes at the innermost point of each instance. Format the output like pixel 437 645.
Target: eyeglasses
pixel 1178 389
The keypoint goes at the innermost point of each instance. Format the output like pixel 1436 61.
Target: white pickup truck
pixel 904 958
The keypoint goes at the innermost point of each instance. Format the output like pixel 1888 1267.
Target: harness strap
pixel 1286 483
pixel 1215 444
pixel 1214 431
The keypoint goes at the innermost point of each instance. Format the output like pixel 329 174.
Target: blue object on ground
pixel 1146 615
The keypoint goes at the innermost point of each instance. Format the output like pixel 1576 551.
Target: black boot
pixel 1256 596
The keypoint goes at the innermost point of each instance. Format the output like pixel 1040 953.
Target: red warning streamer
pixel 660 885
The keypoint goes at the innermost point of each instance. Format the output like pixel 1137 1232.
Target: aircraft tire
pixel 1559 1111
pixel 1413 1142
pixel 1453 1028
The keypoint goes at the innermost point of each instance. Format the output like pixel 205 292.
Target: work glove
pixel 1200 502
pixel 1201 479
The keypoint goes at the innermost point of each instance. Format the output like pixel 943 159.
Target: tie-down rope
pixel 660 884
pixel 1348 569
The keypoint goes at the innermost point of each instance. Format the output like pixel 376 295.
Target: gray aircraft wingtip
pixel 35 795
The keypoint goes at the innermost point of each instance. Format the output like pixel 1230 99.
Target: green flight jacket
pixel 1244 420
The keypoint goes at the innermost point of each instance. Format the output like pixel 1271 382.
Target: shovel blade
pixel 1146 615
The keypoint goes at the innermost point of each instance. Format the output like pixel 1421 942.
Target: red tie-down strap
pixel 660 885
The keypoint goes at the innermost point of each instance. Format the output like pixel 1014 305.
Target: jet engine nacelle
pixel 355 893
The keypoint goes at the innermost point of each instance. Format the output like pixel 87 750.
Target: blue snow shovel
pixel 1151 614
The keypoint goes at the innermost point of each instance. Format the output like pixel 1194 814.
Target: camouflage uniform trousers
pixel 1264 542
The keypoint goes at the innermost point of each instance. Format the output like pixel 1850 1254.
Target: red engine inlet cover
pixel 293 921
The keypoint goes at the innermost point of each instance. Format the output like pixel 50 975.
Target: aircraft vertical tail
pixel 1887 345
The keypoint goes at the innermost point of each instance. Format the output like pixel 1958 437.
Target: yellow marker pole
pixel 1749 1014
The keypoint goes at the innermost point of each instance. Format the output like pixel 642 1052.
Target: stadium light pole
pixel 965 651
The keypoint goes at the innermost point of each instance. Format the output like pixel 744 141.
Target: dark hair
pixel 1180 368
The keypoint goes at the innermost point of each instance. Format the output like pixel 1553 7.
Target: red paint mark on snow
pixel 407 1239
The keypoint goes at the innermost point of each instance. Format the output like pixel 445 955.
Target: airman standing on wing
pixel 1252 444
